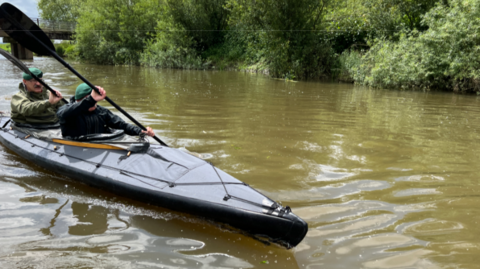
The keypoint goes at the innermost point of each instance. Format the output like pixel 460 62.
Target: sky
pixel 29 7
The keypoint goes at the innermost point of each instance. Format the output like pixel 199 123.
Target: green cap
pixel 82 91
pixel 37 72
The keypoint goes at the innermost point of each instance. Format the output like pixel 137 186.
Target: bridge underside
pixel 22 53
pixel 18 50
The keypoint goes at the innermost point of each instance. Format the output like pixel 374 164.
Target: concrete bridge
pixel 54 29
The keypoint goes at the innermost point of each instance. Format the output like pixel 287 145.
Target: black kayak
pixel 157 175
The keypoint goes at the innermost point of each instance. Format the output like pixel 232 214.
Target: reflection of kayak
pixel 157 175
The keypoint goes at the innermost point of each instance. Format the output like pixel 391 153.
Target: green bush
pixel 65 49
pixel 230 53
pixel 60 51
pixel 186 30
pixel 171 48
pixel 205 21
pixel 70 51
pixel 443 57
pixel 5 47
pixel 350 23
pixel 285 35
pixel 116 31
pixel 347 61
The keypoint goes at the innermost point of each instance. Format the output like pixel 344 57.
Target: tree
pixel 204 20
pixel 116 31
pixel 445 56
pixel 283 33
pixel 352 22
pixel 60 10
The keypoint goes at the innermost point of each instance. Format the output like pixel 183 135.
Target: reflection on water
pixel 385 179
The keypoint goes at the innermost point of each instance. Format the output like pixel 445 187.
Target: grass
pixel 5 46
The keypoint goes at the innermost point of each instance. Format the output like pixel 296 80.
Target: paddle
pixel 25 69
pixel 23 30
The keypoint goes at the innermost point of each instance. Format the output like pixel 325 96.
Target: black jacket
pixel 76 120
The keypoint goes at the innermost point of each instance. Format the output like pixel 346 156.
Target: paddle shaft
pixel 55 55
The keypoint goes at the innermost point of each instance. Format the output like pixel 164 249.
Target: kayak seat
pixel 36 126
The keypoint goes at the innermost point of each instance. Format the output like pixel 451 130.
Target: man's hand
pixel 149 132
pixel 99 97
pixel 53 99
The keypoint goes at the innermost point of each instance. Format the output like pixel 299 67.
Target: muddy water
pixel 385 179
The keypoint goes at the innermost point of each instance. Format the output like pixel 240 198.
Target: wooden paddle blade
pixel 15 61
pixel 23 30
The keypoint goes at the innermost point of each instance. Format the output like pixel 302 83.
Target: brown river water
pixel 385 179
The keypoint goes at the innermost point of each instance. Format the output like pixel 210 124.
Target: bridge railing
pixel 47 25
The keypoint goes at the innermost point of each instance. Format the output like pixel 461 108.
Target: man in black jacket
pixel 82 116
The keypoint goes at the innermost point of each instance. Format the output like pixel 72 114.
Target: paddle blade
pixel 23 30
pixel 15 61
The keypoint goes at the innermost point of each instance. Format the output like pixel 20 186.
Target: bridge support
pixel 18 50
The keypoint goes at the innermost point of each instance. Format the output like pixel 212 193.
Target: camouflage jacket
pixel 33 108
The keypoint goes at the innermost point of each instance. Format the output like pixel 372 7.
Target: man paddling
pixel 82 116
pixel 32 104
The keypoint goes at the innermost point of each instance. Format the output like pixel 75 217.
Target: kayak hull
pixel 201 190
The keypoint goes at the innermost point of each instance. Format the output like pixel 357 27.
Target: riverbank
pixel 429 45
pixel 443 57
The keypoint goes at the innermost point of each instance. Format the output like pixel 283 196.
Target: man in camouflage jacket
pixel 32 104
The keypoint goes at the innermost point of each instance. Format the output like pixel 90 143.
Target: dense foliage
pixel 5 47
pixel 60 10
pixel 186 29
pixel 446 56
pixel 426 44
pixel 205 20
pixel 65 49
pixel 351 22
pixel 285 35
pixel 115 31
pixel 172 47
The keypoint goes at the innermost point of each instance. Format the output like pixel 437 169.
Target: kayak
pixel 158 175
